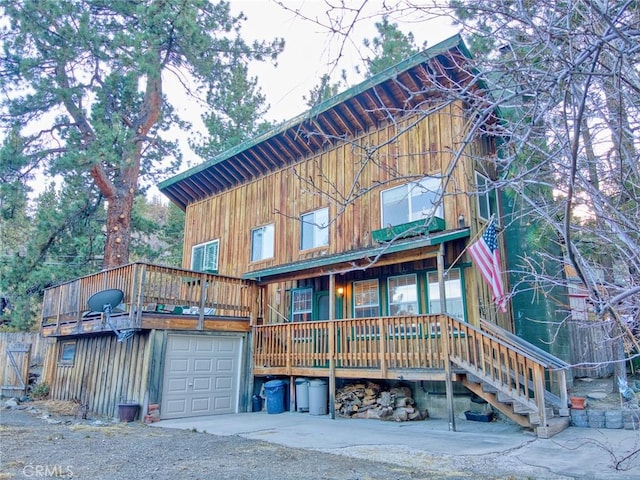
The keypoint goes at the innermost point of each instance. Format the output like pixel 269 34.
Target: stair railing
pixel 507 367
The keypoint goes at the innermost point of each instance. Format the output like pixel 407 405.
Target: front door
pixel 321 306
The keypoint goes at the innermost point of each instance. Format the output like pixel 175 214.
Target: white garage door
pixel 201 376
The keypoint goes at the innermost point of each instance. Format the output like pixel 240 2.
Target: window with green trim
pixel 453 294
pixel 302 304
pixel 204 257
pixel 411 201
pixel 403 295
pixel 366 299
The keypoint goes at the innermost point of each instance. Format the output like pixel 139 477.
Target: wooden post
pixel 289 351
pixel 562 387
pixel 383 350
pixel 538 391
pixel 203 298
pixel 138 294
pixel 60 293
pixel 332 346
pixel 444 335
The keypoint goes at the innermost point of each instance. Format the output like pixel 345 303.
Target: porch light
pixel 340 291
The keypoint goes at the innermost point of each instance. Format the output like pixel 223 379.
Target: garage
pixel 201 375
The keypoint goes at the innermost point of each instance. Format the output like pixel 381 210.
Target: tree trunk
pixel 116 247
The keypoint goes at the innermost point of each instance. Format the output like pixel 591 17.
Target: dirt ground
pixel 46 440
pixel 600 392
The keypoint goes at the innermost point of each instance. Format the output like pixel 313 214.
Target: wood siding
pixel 104 372
pixel 347 179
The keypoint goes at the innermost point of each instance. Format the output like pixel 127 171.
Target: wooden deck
pixel 521 383
pixel 155 297
pixel 385 347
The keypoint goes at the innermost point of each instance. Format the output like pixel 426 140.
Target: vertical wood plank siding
pixel 347 178
pixel 118 373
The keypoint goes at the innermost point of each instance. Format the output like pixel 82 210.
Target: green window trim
pixel 301 304
pixel 460 282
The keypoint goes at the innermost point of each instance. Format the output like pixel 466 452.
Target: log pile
pixel 370 400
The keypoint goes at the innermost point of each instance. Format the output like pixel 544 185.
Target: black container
pixel 128 411
pixel 256 403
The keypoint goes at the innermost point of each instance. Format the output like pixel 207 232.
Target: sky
pixel 310 51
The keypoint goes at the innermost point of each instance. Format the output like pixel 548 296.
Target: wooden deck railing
pixel 383 345
pixel 374 343
pixel 151 288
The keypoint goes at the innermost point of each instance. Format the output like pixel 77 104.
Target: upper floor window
pixel 366 299
pixel 487 198
pixel 204 257
pixel 262 242
pixel 315 229
pixel 301 304
pixel 412 201
pixel 403 295
pixel 452 291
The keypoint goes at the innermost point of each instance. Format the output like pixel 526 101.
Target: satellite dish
pixel 104 302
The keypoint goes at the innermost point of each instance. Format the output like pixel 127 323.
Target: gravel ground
pixel 45 440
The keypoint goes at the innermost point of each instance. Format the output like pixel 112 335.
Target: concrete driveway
pixel 574 453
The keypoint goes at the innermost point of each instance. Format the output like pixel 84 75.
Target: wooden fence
pixel 22 353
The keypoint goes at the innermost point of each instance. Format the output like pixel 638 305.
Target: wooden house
pixel 334 246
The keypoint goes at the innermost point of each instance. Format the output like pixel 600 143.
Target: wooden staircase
pixel 525 383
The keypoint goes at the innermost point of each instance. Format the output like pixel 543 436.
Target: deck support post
pixel 332 346
pixel 445 332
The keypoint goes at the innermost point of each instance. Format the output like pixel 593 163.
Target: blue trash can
pixel 275 396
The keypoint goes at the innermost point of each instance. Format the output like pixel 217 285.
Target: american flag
pixel 486 255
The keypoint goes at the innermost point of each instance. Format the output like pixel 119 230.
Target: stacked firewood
pixel 370 400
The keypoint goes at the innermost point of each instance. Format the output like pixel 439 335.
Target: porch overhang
pixel 362 259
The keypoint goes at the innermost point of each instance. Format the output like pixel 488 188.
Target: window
pixel 67 353
pixel 366 299
pixel 403 295
pixel 453 293
pixel 487 198
pixel 412 201
pixel 301 304
pixel 262 243
pixel 315 230
pixel 204 257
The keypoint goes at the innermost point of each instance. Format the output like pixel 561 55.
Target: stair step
pixel 522 408
pixel 473 378
pixel 505 398
pixel 488 388
pixel 554 425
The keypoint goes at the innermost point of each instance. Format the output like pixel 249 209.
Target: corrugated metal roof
pixel 346 258
pixel 395 90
